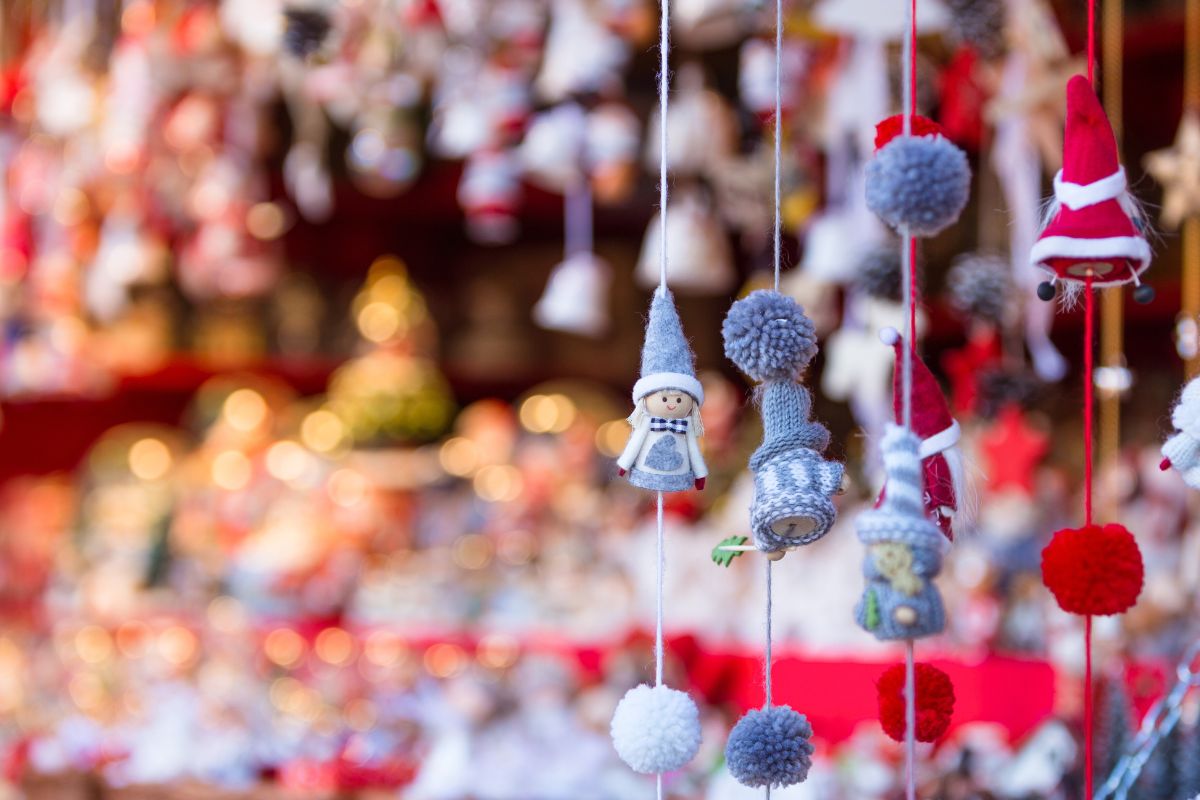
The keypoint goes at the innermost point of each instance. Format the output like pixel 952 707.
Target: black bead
pixel 1046 291
pixel 1144 294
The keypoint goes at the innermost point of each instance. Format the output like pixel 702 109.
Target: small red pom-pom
pixel 935 702
pixel 1093 570
pixel 893 126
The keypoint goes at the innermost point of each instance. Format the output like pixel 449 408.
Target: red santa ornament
pixel 941 460
pixel 1093 225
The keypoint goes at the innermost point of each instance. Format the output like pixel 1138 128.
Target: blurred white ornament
pixel 581 54
pixel 66 102
pixel 701 128
pixel 256 25
pixel 877 19
pixel 489 193
pixel 551 150
pixel 612 134
pixel 700 259
pixel 756 76
pixel 715 23
pixel 576 296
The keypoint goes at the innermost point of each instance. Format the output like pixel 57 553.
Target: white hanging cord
pixel 664 81
pixel 907 267
pixel 778 146
pixel 658 626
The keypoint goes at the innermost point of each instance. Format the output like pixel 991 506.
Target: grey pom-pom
pixel 980 286
pixel 878 273
pixel 768 336
pixel 305 30
pixel 919 181
pixel 770 747
pixel 980 24
pixel 1007 386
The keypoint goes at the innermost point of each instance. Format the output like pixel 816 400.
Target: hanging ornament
pixel 770 747
pixel 489 193
pixel 1093 570
pixel 935 702
pixel 656 729
pixel 768 337
pixel 576 296
pixel 305 29
pixel 701 127
pixel 919 182
pixel 1012 450
pixel 1094 225
pixel 1177 170
pixel 663 452
pixel 613 132
pixel 980 288
pixel 1182 451
pixel 877 20
pixel 904 550
pixel 701 259
pixel 756 77
pixel 979 24
pixel 944 478
pixel 581 55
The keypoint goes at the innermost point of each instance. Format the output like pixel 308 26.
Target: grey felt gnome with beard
pixel 663 451
pixel 770 339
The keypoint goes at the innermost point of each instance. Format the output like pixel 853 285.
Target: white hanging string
pixel 907 267
pixel 778 144
pixel 664 85
pixel 768 655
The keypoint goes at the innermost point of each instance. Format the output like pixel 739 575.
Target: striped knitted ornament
pixel 770 339
pixel 904 550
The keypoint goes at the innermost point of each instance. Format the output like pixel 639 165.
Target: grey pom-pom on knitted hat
pixel 770 339
pixel 667 360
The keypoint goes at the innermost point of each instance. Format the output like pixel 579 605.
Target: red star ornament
pixel 1012 448
pixel 964 366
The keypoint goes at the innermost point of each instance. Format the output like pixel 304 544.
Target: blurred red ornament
pixel 1012 449
pixel 963 99
pixel 893 126
pixel 935 702
pixel 1093 570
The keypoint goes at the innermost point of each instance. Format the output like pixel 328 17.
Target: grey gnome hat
pixel 901 516
pixel 667 360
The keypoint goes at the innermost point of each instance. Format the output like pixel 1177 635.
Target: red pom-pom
pixel 1093 570
pixel 893 126
pixel 935 702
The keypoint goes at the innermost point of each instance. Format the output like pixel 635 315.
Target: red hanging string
pixel 1089 323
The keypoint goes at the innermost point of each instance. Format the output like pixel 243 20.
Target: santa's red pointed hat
pixel 939 433
pixel 1091 222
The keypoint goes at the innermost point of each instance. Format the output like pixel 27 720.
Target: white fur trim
pixel 1131 247
pixel 941 441
pixel 668 380
pixel 1081 195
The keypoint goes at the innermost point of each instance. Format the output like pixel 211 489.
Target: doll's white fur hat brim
pixel 668 380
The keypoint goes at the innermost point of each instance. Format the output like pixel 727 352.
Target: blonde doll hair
pixel 694 418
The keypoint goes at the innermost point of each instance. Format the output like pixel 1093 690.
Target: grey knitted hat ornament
pixel 904 550
pixel 667 360
pixel 770 339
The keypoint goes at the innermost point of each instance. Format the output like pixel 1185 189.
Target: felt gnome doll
pixel 1182 451
pixel 1093 225
pixel 941 460
pixel 770 339
pixel 663 452
pixel 904 550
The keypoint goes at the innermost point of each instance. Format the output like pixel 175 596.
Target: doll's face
pixel 891 558
pixel 669 404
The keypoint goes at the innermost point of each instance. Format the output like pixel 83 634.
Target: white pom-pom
pixel 889 335
pixel 656 729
